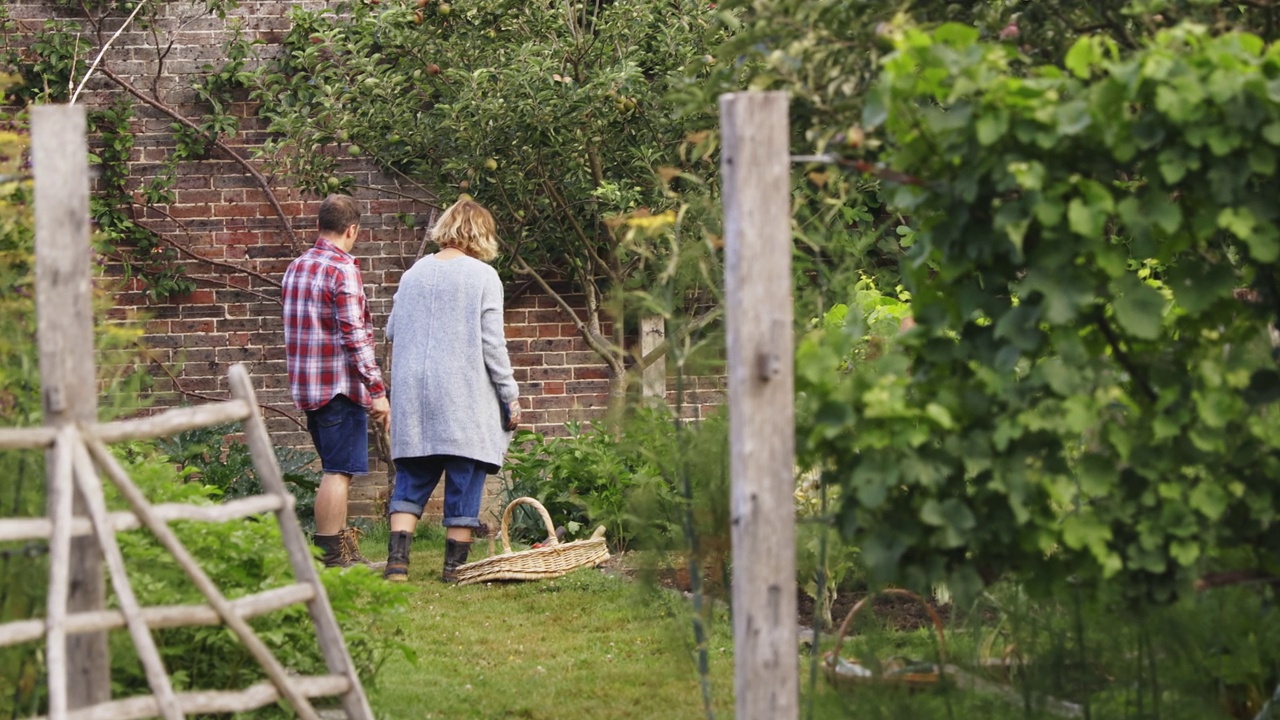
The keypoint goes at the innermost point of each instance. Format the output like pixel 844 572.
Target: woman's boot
pixel 397 569
pixel 455 554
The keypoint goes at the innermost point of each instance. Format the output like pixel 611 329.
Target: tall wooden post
pixel 756 170
pixel 64 321
pixel 653 331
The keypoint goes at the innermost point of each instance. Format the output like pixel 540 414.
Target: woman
pixel 454 399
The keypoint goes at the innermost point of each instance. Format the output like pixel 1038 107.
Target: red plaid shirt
pixel 328 331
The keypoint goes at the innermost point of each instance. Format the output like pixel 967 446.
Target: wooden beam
pixel 14 529
pixel 653 333
pixel 166 536
pixel 213 702
pixel 26 438
pixel 64 328
pixel 162 616
pixel 756 175
pixel 332 645
pixel 172 422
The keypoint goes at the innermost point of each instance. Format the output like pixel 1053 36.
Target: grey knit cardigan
pixel 449 363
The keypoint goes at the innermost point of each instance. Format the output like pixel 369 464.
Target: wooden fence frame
pixel 75 623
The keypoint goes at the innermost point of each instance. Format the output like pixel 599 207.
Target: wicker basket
pixel 891 672
pixel 551 560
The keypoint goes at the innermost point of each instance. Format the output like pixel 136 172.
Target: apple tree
pixel 550 114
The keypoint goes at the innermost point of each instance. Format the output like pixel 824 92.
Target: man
pixel 333 375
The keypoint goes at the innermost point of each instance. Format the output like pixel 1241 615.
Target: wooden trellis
pixel 75 622
pixel 79 453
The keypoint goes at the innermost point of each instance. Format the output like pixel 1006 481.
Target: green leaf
pixel 1139 309
pixel 1271 132
pixel 1081 530
pixel 1065 291
pixel 1082 56
pixel 1197 285
pixel 956 34
pixel 992 126
pixel 1209 499
pixel 1086 219
pixel 1172 166
pixel 1073 117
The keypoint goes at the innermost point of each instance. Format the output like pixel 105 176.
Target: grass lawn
pixel 597 644
pixel 588 645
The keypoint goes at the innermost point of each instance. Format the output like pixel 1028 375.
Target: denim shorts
pixel 340 431
pixel 417 478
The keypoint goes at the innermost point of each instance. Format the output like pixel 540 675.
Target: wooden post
pixel 64 321
pixel 756 169
pixel 653 330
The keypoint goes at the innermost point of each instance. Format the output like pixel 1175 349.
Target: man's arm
pixel 355 327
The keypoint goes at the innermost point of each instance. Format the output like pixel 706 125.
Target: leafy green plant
pixel 627 480
pixel 1092 279
pixel 582 479
pixel 215 456
pixel 241 557
pixel 551 115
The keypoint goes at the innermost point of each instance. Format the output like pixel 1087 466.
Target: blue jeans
pixel 417 477
pixel 340 431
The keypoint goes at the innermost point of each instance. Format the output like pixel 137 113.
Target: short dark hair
pixel 337 213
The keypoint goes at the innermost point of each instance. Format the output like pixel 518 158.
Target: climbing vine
pixel 55 58
pixel 1090 390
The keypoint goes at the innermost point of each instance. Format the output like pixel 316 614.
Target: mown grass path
pixel 588 645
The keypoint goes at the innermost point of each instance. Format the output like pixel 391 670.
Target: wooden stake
pixel 61 494
pixel 90 487
pixel 755 166
pixel 64 320
pixel 329 635
pixel 251 642
pixel 653 331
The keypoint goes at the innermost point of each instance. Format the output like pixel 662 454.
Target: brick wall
pixel 236 248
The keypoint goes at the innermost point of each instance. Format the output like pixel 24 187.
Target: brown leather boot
pixel 351 538
pixel 455 554
pixel 398 557
pixel 335 550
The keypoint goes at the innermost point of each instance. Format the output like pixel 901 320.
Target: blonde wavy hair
pixel 469 227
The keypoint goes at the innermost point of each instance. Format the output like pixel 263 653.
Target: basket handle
pixel 833 655
pixel 546 520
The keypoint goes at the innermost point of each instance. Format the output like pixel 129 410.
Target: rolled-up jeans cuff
pixel 471 522
pixel 404 506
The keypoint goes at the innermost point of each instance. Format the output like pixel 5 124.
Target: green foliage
pixel 53 61
pixel 141 252
pixel 549 114
pixel 1086 394
pixel 628 480
pixel 216 458
pixel 241 557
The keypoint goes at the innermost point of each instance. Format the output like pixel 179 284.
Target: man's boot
pixel 397 569
pixel 351 537
pixel 455 554
pixel 335 550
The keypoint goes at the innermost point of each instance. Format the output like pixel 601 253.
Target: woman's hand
pixel 513 415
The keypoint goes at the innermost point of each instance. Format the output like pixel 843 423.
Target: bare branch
pixel 89 73
pixel 594 340
pixel 177 385
pixel 199 258
pixel 231 154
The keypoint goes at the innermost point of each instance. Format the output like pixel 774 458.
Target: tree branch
pixel 177 385
pixel 697 324
pixel 191 254
pixel 231 154
pixel 594 340
pixel 1139 378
